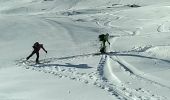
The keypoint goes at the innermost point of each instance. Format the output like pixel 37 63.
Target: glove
pixel 46 51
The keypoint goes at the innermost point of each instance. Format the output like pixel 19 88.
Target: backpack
pixel 101 37
pixel 36 45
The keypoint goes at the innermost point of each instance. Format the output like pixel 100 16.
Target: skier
pixel 104 38
pixel 36 48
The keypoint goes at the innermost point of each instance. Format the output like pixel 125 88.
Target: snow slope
pixel 136 66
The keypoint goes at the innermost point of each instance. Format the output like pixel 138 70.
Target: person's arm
pixel 107 38
pixel 43 48
pixel 108 42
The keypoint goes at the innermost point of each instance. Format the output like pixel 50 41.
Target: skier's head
pixel 107 34
pixel 36 43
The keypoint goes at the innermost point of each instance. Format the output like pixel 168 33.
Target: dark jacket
pixel 37 47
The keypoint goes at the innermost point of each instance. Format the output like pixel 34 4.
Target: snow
pixel 136 66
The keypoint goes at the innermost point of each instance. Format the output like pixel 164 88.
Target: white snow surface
pixel 136 67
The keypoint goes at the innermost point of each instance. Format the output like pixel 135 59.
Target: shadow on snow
pixel 83 66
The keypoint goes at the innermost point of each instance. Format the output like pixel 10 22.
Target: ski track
pixel 163 27
pixel 95 78
pixel 128 67
pixel 113 88
pixel 106 24
pixel 139 76
pixel 138 55
pixel 53 22
pixel 132 94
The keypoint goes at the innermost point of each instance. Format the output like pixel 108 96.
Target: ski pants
pixel 103 44
pixel 34 52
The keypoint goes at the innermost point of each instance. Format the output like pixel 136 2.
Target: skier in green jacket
pixel 104 38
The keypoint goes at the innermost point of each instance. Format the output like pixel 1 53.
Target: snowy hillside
pixel 136 67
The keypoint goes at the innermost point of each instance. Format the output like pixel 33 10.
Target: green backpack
pixel 101 37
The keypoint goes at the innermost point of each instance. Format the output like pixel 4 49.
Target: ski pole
pixel 45 57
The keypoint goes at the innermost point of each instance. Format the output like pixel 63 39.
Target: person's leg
pixel 103 44
pixel 31 55
pixel 37 59
pixel 104 47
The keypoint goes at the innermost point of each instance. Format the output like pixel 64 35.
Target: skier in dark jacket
pixel 104 38
pixel 36 50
